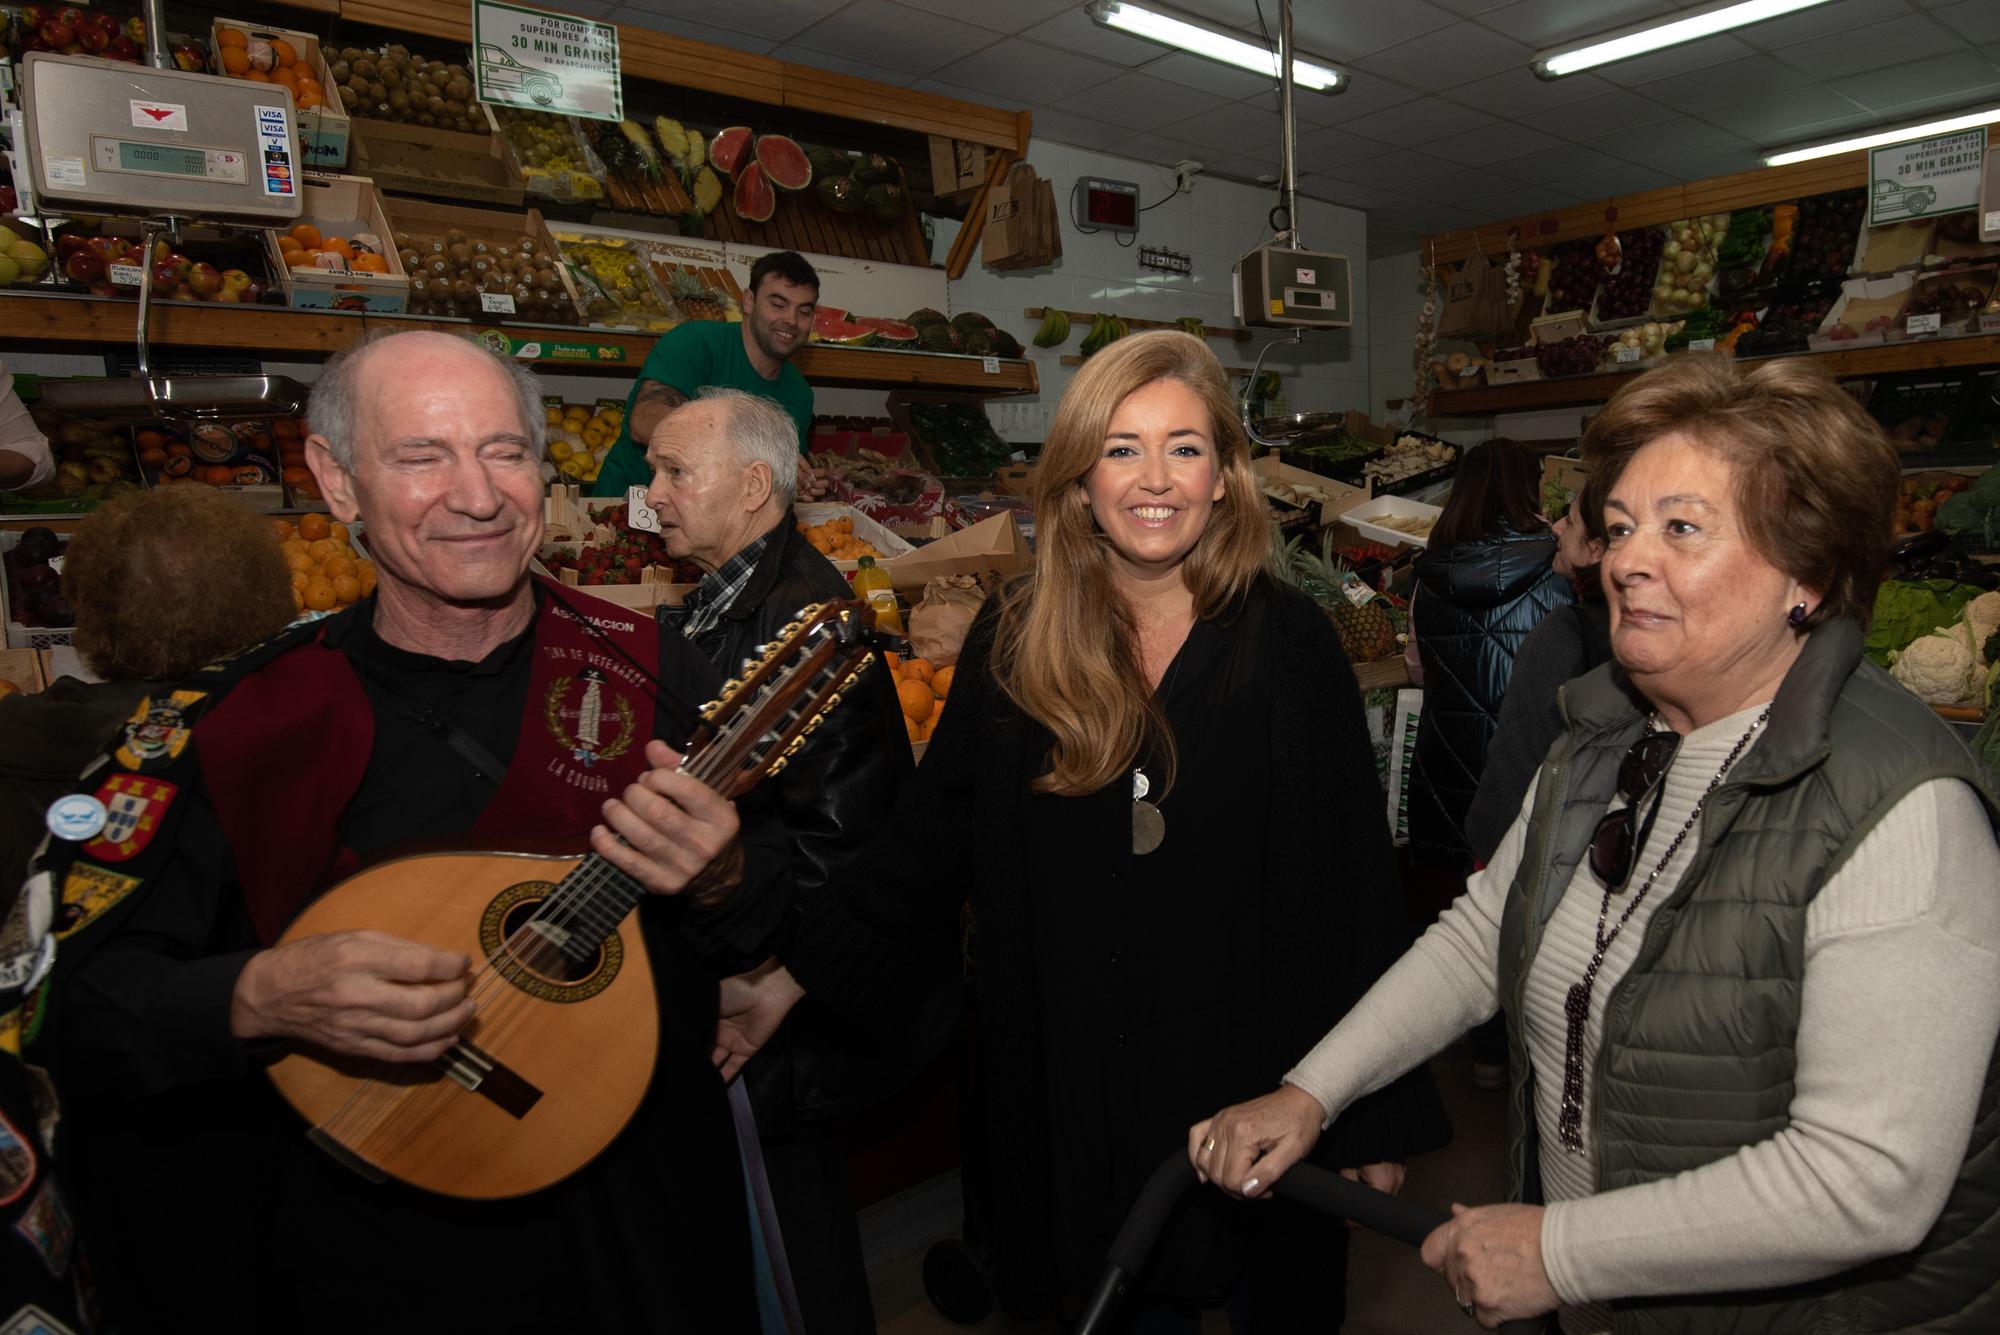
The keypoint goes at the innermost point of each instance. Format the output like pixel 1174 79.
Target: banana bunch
pixel 1104 331
pixel 1055 329
pixel 1193 325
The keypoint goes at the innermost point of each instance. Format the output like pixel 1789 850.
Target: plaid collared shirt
pixel 719 588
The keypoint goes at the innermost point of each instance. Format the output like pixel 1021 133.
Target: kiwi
pixel 495 281
pixel 458 90
pixel 454 237
pixel 462 289
pixel 364 68
pixel 439 266
pixel 399 101
pixel 481 248
pixel 358 86
pixel 351 53
pixel 397 52
pixel 481 266
pixel 526 245
pixel 409 257
pixel 340 70
pixel 458 72
pixel 427 120
pixel 455 108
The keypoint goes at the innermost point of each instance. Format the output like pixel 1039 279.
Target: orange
pixel 306 235
pixel 282 75
pixel 321 550
pixel 916 699
pixel 368 262
pixel 299 259
pixel 308 99
pixel 893 661
pixel 282 52
pixel 338 245
pixel 338 567
pixel 300 563
pixel 314 527
pixel 337 531
pixel 283 528
pixel 228 37
pixel 298 595
pixel 300 579
pixel 218 475
pixel 346 588
pixel 149 439
pixel 258 76
pixel 320 596
pixel 941 682
pixel 289 244
pixel 298 475
pixel 918 669
pixel 914 729
pixel 235 60
pixel 153 458
pixel 365 572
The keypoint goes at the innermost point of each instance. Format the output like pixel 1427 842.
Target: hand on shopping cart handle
pixel 1491 1255
pixel 1245 1148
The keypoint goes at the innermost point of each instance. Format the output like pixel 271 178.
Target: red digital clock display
pixel 1111 208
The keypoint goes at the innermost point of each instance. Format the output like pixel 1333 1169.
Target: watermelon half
pixel 785 164
pixel 887 331
pixel 754 199
pixel 730 149
pixel 831 325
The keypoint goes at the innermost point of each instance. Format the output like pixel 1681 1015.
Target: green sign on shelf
pixel 550 350
pixel 543 61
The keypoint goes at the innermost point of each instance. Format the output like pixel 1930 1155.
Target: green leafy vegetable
pixel 1974 513
pixel 1908 610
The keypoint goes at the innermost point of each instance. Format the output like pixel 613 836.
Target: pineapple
pixel 696 299
pixel 1366 631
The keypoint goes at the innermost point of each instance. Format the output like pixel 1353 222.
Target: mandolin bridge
pixel 487 1076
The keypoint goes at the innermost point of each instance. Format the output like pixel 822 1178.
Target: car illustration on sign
pixel 1909 200
pixel 501 73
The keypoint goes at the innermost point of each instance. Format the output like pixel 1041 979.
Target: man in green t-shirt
pixel 754 357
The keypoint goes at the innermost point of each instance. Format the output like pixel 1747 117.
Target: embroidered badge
pixel 75 817
pixel 580 726
pixel 45 1226
pixel 87 892
pixel 133 807
pixel 17 1162
pixel 158 730
pixel 32 1320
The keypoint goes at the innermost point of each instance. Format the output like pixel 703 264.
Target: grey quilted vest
pixel 1723 959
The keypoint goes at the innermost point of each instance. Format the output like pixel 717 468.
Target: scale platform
pixel 130 402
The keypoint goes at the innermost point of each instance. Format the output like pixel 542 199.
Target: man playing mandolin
pixel 463 705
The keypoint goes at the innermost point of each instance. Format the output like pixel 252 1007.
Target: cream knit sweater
pixel 1900 1008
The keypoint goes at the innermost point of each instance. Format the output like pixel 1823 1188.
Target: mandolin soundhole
pixel 552 956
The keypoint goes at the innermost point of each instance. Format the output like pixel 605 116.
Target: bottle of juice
pixel 872 583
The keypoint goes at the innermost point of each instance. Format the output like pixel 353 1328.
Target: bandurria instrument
pixel 560 1051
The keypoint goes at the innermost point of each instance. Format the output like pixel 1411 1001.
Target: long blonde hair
pixel 1052 653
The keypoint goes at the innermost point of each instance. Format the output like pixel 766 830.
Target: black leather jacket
pixel 836 797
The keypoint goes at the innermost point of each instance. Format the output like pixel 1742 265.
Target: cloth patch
pixel 157 733
pixel 32 1320
pixel 87 892
pixel 45 1226
pixel 17 1162
pixel 134 807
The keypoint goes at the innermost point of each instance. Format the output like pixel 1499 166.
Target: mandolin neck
pixel 587 905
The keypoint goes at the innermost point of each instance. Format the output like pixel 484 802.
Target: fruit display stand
pixel 341 207
pixel 425 160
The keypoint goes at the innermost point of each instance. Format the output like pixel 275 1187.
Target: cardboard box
pixel 343 206
pixel 1862 300
pixel 411 217
pixel 958 166
pixel 1015 479
pixel 865 528
pixel 1340 494
pixel 992 546
pixel 1515 372
pixel 1555 328
pixel 420 161
pixel 1980 280
pixel 1569 474
pixel 325 132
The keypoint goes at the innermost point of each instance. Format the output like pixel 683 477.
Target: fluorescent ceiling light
pixel 1638 40
pixel 1206 39
pixel 1970 120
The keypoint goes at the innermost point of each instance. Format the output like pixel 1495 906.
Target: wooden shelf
pixel 1586 390
pixel 37 322
pixel 1135 325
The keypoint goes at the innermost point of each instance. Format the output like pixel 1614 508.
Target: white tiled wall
pixel 1215 223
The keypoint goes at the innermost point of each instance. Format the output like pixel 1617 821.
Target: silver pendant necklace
pixel 1149 827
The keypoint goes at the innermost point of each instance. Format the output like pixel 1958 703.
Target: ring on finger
pixel 1208 1145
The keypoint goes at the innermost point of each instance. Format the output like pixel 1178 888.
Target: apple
pixel 227 294
pixel 234 280
pixel 135 28
pixel 123 48
pixel 9 201
pixel 183 293
pixel 190 58
pixel 167 275
pixel 67 245
pixel 85 266
pixel 103 288
pixel 56 33
pixel 91 37
pixel 204 279
pixel 34 16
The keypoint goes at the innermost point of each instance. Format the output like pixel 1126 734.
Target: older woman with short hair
pixel 1745 928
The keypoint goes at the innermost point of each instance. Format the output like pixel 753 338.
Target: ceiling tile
pixel 888 34
pixel 1546 23
pixel 1229 13
pixel 860 69
pixel 1559 164
pixel 637 17
pixel 1064 127
pixel 1892 42
pixel 1703 163
pixel 1458 54
pixel 1682 134
pixel 1820 21
pixel 1674 60
pixel 1072 30
pixel 1524 201
pixel 1627 178
pixel 1517 92
pixel 1419 122
pixel 1397 171
pixel 1778 120
pixel 761 18
pixel 1459 187
pixel 1959 73
pixel 1140 101
pixel 1010 17
pixel 1235 128
pixel 1243 167
pixel 1470 7
pixel 589 9
pixel 1938 104
pixel 1974 20
pixel 1027 74
pixel 1617 110
pixel 1211 76
pixel 1330 150
pixel 1491 143
pixel 1348 29
pixel 1363 97
pixel 1732 83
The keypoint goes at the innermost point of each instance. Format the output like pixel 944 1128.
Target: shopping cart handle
pixel 1314 1188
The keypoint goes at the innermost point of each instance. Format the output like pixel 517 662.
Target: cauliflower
pixel 1941 669
pixel 1982 614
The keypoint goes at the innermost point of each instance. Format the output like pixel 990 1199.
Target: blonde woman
pixel 1155 785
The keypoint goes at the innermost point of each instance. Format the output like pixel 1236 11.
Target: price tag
pixel 1357 593
pixel 990 365
pixel 1992 223
pixel 125 275
pixel 1624 353
pixel 497 303
pixel 1701 345
pixel 638 514
pixel 1924 324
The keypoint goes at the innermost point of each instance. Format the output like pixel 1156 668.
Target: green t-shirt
pixel 690 358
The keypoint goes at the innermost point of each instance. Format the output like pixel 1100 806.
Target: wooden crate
pixel 804 222
pixel 409 216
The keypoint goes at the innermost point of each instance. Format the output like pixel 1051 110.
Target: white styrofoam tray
pixel 1399 506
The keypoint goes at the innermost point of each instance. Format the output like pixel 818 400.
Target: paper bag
pixel 938 624
pixel 1008 220
pixel 1466 308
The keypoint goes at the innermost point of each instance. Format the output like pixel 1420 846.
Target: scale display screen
pixel 163 159
pixel 1110 206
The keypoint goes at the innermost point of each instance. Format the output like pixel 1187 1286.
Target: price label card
pixel 125 275
pixel 1701 345
pixel 991 366
pixel 1924 324
pixel 638 514
pixel 497 303
pixel 1625 353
